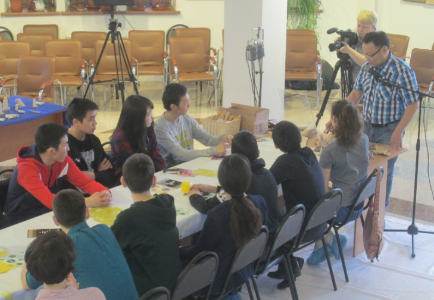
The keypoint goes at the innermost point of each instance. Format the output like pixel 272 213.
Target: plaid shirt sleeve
pixel 121 150
pixel 153 151
pixel 358 82
pixel 408 80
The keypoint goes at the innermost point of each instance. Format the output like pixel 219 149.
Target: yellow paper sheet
pixel 106 215
pixel 4 267
pixel 205 172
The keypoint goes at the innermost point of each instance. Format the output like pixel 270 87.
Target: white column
pixel 240 17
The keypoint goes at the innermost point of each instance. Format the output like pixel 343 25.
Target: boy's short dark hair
pixel 50 257
pixel 48 135
pixel 173 94
pixel 69 208
pixel 378 38
pixel 138 172
pixel 286 136
pixel 78 109
pixel 244 142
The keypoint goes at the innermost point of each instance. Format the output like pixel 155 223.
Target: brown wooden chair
pixel 52 29
pixel 88 39
pixel 37 42
pixel 10 52
pixel 422 63
pixel 303 62
pixel 433 46
pixel 187 63
pixel 70 67
pixel 147 50
pixel 400 45
pixel 35 78
pixel 107 67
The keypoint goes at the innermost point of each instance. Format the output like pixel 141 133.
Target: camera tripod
pixel 116 40
pixel 346 68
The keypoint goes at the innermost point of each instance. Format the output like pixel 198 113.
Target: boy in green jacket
pixel 147 230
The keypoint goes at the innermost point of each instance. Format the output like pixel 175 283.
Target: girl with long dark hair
pixel 345 163
pixel 232 224
pixel 134 133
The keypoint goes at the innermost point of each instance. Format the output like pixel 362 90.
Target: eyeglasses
pixel 371 56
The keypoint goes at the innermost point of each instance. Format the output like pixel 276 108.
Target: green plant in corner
pixel 302 14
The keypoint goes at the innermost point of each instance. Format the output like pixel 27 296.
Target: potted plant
pixel 303 14
pixel 91 5
pixel 139 4
pixel 16 6
pixel 80 4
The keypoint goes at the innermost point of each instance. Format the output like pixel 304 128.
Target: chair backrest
pixel 290 227
pixel 4 186
pixel 247 255
pixel 171 32
pixel 295 32
pixel 301 54
pixel 67 54
pixel 6 34
pixel 158 293
pixel 400 43
pixel 32 72
pixel 52 29
pixel 198 274
pixel 422 63
pixel 188 53
pixel 10 52
pixel 203 32
pixel 107 64
pixel 88 39
pixel 147 46
pixel 37 42
pixel 325 210
pixel 432 47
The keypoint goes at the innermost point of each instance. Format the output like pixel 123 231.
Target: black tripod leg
pixel 128 63
pixel 329 90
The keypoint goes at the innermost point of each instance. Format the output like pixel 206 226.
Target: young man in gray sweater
pixel 175 130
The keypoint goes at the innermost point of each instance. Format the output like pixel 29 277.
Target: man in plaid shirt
pixel 386 110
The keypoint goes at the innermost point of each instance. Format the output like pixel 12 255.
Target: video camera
pixel 347 36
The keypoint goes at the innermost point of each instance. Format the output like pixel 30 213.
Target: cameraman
pixel 366 22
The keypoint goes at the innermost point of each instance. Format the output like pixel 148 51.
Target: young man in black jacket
pixel 262 182
pixel 85 148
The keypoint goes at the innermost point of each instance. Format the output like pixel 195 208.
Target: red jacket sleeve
pixel 78 179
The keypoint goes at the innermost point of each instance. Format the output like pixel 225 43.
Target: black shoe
pixel 283 284
pixel 296 263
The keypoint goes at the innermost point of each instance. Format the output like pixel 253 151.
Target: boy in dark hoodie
pixel 300 174
pixel 262 182
pixel 147 230
pixel 41 170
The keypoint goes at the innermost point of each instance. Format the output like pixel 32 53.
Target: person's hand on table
pixel 194 192
pixel 228 138
pixel 396 140
pixel 329 127
pixel 99 199
pixel 204 188
pixel 105 165
pixel 221 148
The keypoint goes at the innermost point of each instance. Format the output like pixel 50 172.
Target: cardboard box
pixel 253 119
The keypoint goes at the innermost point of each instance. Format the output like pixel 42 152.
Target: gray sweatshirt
pixel 175 140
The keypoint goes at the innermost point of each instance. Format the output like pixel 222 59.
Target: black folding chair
pixel 288 230
pixel 246 255
pixel 4 186
pixel 324 212
pixel 367 191
pixel 158 293
pixel 198 274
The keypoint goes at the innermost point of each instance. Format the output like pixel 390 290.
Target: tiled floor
pixel 300 111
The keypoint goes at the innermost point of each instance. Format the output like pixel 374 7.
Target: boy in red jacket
pixel 41 169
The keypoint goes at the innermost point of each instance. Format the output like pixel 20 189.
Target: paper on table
pixel 4 267
pixel 205 172
pixel 106 215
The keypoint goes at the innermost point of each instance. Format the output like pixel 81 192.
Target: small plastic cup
pixel 185 187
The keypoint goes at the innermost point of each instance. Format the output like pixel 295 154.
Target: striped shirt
pixel 382 104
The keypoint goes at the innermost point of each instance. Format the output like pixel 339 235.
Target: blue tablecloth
pixel 45 109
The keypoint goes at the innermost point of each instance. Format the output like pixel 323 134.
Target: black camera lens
pixel 335 46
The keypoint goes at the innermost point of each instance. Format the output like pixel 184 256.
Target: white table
pixel 15 238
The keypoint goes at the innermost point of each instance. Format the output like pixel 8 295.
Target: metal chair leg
pixel 290 276
pixel 249 290
pixel 329 263
pixel 255 286
pixel 342 255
